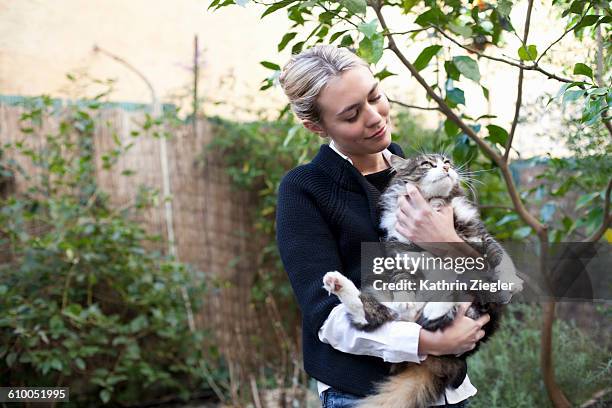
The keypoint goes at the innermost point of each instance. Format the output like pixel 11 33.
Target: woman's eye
pixel 352 118
pixel 377 98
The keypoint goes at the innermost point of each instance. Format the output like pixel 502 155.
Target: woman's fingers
pixel 463 307
pixel 415 198
pixel 482 320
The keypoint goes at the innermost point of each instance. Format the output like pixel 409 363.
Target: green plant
pixel 86 300
pixel 506 369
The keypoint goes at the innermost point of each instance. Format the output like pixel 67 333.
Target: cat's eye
pixel 426 164
pixel 447 162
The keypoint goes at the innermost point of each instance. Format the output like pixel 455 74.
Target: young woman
pixel 328 207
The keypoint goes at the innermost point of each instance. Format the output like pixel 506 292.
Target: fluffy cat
pixel 420 385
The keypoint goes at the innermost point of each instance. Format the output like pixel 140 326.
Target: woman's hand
pixel 461 336
pixel 419 222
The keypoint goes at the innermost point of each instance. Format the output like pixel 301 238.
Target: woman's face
pixel 355 113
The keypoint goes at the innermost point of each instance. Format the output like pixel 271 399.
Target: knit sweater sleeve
pixel 307 248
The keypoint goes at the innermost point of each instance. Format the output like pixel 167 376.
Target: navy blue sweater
pixel 326 209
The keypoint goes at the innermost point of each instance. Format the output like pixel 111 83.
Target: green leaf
pixel 497 134
pixel 468 67
pixel 270 65
pixel 322 33
pixel 383 74
pixel 335 36
pixel 485 92
pixel 462 30
pixel 371 49
pixel 347 41
pixel 355 6
pixel 10 358
pixel 583 69
pixel 521 233
pixel 455 96
pixel 585 199
pixel 105 396
pixel 326 17
pixel 451 70
pixel 577 6
pixel 586 22
pixel 450 128
pixel 297 47
pixel 369 29
pixel 285 40
pixel 573 95
pixel 464 150
pixel 407 5
pixel 506 219
pixel 530 53
pixel 504 7
pixel 547 211
pixel 79 363
pixel 277 6
pixel 425 56
pixel 431 16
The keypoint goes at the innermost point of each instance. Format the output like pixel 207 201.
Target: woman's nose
pixel 373 118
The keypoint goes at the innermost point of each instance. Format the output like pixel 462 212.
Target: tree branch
pixel 599 71
pixel 154 102
pixel 484 146
pixel 416 30
pixel 405 105
pixel 607 217
pixel 534 67
pixel 519 92
pixel 606 121
pixel 563 35
pixel 339 16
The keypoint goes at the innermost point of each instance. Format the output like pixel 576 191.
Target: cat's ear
pixel 396 162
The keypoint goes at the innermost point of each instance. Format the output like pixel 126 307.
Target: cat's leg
pixel 438 315
pixel 365 311
pixel 341 286
pixel 502 266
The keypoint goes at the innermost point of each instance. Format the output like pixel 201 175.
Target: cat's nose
pixel 446 167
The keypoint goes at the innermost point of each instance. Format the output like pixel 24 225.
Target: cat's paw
pixel 437 315
pixel 334 282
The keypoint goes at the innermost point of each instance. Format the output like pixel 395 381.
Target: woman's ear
pixel 314 127
pixel 396 161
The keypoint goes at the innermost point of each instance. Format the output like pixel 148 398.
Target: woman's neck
pixel 371 163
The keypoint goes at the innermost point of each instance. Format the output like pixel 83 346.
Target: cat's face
pixel 432 173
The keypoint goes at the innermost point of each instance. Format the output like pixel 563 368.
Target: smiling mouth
pixel 378 133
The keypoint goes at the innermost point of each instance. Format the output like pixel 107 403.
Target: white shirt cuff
pixel 394 342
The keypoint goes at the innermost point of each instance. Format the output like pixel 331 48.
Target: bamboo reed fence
pixel 212 222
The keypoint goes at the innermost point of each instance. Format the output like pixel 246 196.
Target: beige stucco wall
pixel 40 41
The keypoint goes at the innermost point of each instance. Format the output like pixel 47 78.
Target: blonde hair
pixel 306 74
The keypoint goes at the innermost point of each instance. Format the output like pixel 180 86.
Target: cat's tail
pixel 417 386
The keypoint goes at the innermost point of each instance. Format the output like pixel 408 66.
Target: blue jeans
pixel 332 398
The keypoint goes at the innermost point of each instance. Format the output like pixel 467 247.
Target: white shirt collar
pixel 386 153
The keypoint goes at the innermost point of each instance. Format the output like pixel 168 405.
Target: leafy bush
pixel 85 301
pixel 506 370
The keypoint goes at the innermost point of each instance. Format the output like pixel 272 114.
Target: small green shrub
pixel 506 370
pixel 85 300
